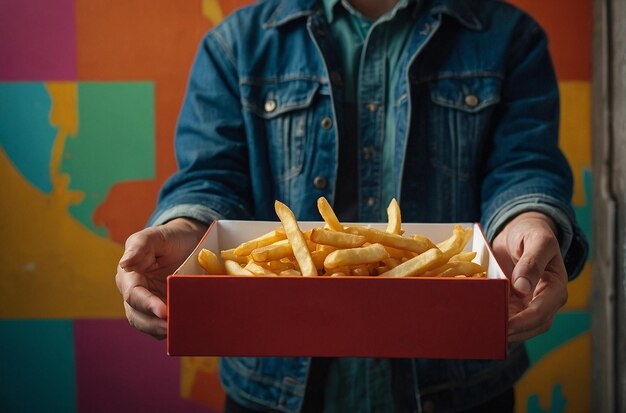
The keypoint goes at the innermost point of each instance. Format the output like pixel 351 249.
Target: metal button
pixel 428 406
pixel 368 153
pixel 327 123
pixel 335 77
pixel 471 101
pixel 319 182
pixel 270 105
pixel 372 107
pixel 371 201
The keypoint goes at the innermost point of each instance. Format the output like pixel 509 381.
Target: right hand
pixel 150 256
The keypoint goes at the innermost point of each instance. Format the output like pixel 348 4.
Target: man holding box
pixel 449 106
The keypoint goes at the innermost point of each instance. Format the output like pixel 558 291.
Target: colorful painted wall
pixel 89 95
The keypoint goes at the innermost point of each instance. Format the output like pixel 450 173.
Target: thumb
pixel 539 248
pixel 142 249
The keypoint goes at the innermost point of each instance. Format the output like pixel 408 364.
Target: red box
pixel 421 317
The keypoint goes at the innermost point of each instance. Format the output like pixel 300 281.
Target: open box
pixel 214 315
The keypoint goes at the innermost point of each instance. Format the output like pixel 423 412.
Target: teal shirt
pixel 357 37
pixel 364 384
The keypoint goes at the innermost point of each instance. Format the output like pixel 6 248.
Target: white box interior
pixel 228 234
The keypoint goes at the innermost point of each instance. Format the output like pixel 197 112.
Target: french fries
pixel 337 251
pixel 296 239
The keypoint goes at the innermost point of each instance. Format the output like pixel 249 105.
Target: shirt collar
pixel 329 7
pixel 289 10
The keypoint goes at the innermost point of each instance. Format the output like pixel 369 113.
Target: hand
pixel 528 251
pixel 150 256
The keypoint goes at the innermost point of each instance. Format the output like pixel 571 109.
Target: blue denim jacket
pixel 477 127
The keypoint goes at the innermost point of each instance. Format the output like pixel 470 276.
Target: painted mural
pixel 89 95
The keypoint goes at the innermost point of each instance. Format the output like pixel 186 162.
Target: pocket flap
pixel 269 99
pixel 469 94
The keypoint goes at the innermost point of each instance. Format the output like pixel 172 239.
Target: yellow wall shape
pixel 575 132
pixel 53 267
pixel 568 367
pixel 212 10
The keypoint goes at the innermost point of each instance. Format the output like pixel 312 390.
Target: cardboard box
pixel 336 317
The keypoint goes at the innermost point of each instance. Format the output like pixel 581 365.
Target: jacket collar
pixel 460 10
pixel 289 10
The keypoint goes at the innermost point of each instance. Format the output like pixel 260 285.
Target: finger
pixel 145 323
pixel 144 301
pixel 131 286
pixel 538 250
pixel 141 250
pixel 537 318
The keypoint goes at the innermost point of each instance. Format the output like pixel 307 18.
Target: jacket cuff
pixel 198 212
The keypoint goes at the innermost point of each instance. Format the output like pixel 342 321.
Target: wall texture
pixel 89 95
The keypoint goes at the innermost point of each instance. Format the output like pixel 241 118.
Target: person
pixel 449 106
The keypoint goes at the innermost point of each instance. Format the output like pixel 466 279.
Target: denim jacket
pixel 477 116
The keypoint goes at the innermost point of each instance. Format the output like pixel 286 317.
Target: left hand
pixel 528 251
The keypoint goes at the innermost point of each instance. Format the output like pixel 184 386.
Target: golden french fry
pixel 452 269
pixel 394 218
pixel 319 257
pixel 392 240
pixel 290 272
pixel 344 269
pixel 257 269
pixel 234 268
pixel 231 256
pixel 464 256
pixel 360 271
pixel 328 215
pixel 275 251
pixel 208 260
pixel 455 244
pixel 322 247
pixel 296 239
pixel 278 266
pixel 391 262
pixel 266 239
pixel 399 254
pixel 336 239
pixel 417 265
pixel 356 256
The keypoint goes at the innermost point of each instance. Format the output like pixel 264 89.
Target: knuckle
pixel 547 240
pixel 134 239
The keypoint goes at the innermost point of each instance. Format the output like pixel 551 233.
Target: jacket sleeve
pixel 212 180
pixel 526 171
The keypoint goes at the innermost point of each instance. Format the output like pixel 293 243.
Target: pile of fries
pixel 336 251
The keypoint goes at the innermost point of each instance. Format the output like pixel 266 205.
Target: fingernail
pixel 522 285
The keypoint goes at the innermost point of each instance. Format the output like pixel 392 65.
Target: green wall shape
pixel 26 135
pixel 115 143
pixel 37 366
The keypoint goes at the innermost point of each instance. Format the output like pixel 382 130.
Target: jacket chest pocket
pixel 282 117
pixel 458 123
